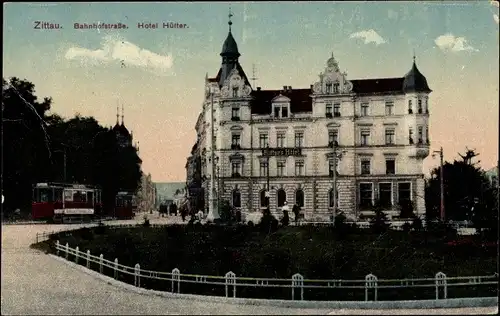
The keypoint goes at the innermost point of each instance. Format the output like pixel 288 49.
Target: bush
pixel 379 222
pixel 416 225
pixel 101 229
pixel 268 222
pixel 225 211
pixel 238 216
pixel 146 222
pixel 406 227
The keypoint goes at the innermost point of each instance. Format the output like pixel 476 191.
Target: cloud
pixel 370 36
pixel 448 42
pixel 495 18
pixel 116 50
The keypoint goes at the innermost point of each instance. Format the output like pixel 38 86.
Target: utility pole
pixel 441 182
pixel 213 213
pixel 268 191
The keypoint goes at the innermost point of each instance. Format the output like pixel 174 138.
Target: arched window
pixel 236 198
pixel 263 201
pixel 299 197
pixel 281 197
pixel 330 198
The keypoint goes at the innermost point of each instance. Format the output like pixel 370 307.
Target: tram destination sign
pixel 269 152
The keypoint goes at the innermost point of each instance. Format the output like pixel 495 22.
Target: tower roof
pixel 414 81
pixel 230 48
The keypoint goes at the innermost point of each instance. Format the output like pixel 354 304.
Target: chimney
pixel 284 88
pixel 311 87
pixel 290 88
pixel 258 88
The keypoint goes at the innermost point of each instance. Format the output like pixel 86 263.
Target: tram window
pixel 68 196
pixel 58 195
pixel 90 197
pixel 80 196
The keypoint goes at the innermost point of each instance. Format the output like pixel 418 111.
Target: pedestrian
pixel 183 214
pixel 296 212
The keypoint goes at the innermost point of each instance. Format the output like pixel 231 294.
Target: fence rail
pixel 297 284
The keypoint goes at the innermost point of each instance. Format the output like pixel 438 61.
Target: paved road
pixel 32 283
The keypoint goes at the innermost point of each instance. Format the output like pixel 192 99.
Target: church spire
pixel 117 114
pixel 123 123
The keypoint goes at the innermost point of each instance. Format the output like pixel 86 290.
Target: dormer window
pixel 281 110
pixel 329 88
pixel 336 86
pixel 284 111
pixel 235 92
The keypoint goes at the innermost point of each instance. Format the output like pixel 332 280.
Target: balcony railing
pixel 411 141
pixel 410 111
pixel 329 115
pixel 332 143
pixel 336 114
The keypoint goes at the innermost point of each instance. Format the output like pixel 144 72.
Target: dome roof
pixel 414 81
pixel 123 130
pixel 230 47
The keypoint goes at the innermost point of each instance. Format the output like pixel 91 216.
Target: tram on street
pixel 62 202
pixel 125 206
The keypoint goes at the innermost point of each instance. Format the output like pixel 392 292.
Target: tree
pixel 468 193
pixel 379 223
pixel 26 143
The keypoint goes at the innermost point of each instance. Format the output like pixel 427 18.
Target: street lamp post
pixel 441 182
pixel 213 213
pixel 336 155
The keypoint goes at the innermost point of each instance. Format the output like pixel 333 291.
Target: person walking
pixel 296 212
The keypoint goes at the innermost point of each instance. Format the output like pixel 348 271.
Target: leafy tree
pixel 379 223
pixel 225 211
pixel 468 194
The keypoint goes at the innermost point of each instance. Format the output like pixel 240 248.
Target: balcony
pixel 235 118
pixel 418 150
pixel 329 115
pixel 235 146
pixel 236 175
pixel 336 114
pixel 331 144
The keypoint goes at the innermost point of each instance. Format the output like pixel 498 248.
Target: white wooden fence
pixel 371 284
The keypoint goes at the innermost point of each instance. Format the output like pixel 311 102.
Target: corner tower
pixel 229 54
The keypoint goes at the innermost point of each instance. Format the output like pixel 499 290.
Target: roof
pixel 300 100
pixel 230 48
pixel 381 85
pixel 240 71
pixel 414 81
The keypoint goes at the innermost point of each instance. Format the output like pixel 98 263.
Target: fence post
pixel 176 277
pixel 77 254
pixel 67 251
pixel 88 259
pixel 441 281
pixel 230 279
pixel 298 281
pixel 371 282
pixel 116 268
pixel 101 259
pixel 137 275
pixel 57 247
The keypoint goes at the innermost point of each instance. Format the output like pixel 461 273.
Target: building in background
pixel 146 194
pixel 168 191
pixel 379 126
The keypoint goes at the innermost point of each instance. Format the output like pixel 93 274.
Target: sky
pixel 158 74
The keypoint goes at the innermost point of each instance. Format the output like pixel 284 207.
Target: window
pixel 263 168
pixel 427 105
pixel 263 198
pixel 331 167
pixel 236 169
pixel 410 107
pixel 329 110
pixel 280 140
pixel 299 139
pixel 410 135
pixel 365 138
pixel 389 136
pixel 299 197
pixel 276 112
pixel 365 195
pixel 404 192
pixel 365 166
pixel 385 194
pixel 364 109
pixel 420 106
pixel 235 92
pixel 420 134
pixel 281 197
pixel 336 87
pixel 330 198
pixel 284 111
pixel 336 109
pixel 235 141
pixel 329 88
pixel 389 108
pixel 280 168
pixel 333 138
pixel 299 168
pixel 390 166
pixel 236 198
pixel 263 140
pixel 427 135
pixel 235 114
